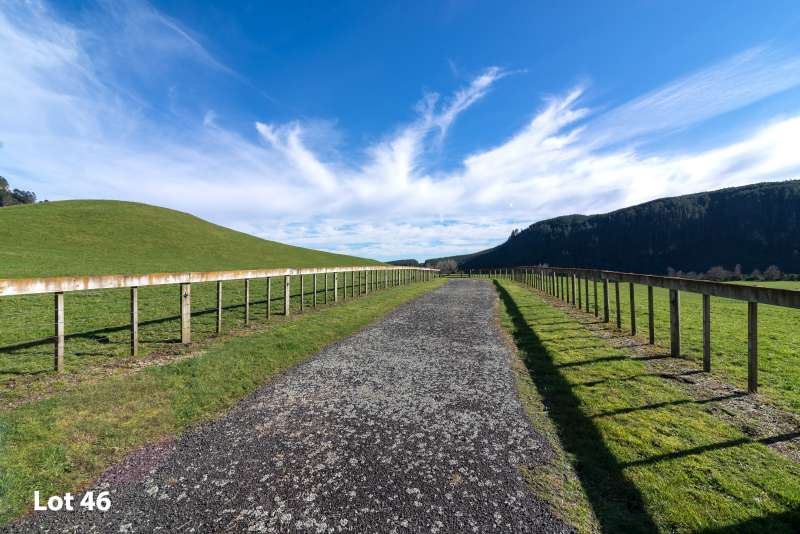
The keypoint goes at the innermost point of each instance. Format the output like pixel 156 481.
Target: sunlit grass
pixel 778 344
pixel 648 456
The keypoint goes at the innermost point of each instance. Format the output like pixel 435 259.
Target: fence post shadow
pixel 616 501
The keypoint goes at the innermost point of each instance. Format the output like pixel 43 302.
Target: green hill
pixel 79 237
pixel 753 226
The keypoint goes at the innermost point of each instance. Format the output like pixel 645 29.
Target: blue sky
pixel 396 129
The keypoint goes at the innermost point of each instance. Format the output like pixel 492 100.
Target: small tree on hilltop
pixel 17 196
pixel 447 266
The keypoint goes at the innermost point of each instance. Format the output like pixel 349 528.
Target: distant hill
pixel 404 263
pixel 754 226
pixel 108 237
pixel 458 259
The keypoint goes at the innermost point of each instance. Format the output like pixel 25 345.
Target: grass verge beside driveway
pixel 648 457
pixel 62 443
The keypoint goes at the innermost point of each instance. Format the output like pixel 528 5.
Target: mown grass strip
pixel 649 458
pixel 62 443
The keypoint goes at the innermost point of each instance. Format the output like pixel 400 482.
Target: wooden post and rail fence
pixel 367 278
pixel 565 284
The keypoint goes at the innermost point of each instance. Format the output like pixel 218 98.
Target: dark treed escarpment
pixel 753 226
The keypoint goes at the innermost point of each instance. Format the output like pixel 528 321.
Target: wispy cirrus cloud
pixel 72 128
pixel 730 84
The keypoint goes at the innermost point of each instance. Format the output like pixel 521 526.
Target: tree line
pixel 11 197
pixel 756 227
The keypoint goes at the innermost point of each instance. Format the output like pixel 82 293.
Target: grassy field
pixel 63 442
pixel 97 326
pixel 648 457
pixel 103 237
pixel 779 337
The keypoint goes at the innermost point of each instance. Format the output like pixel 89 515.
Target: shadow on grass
pixel 713 447
pixel 658 405
pixel 100 334
pixel 580 363
pixel 666 376
pixel 616 501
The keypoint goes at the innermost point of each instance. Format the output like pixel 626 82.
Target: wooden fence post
pixel 586 287
pixel 315 290
pixel 336 286
pixel 752 347
pixel 675 323
pixel 605 301
pixel 325 287
pixel 219 306
pixel 706 333
pixel 596 307
pixel 186 313
pixel 651 321
pixel 619 309
pixel 633 308
pixel 58 348
pixel 287 294
pixel 134 321
pixel 247 301
pixel 269 297
pixel 302 293
pixel 572 282
pixel 580 294
pixel 353 284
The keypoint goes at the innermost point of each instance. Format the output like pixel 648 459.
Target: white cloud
pixel 70 131
pixel 725 86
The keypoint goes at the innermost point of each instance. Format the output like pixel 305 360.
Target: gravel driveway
pixel 411 425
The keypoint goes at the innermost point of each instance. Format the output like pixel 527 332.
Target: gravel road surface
pixel 411 425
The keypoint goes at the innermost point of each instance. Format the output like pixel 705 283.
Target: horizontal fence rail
pixel 362 280
pixel 572 286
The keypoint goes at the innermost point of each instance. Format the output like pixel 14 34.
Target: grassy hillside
pixel 755 226
pixel 78 237
pixel 109 237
